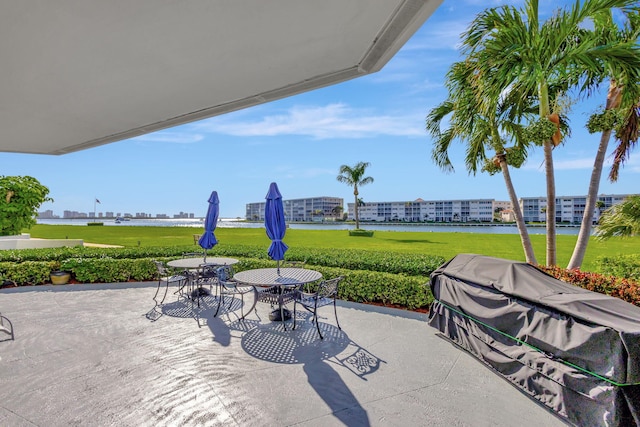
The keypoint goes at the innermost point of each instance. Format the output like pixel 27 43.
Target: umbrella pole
pixel 278 264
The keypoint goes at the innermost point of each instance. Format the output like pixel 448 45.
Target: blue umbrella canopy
pixel 274 223
pixel 208 239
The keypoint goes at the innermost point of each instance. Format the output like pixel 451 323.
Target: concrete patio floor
pixel 96 355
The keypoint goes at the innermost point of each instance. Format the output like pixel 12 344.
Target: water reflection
pixel 232 223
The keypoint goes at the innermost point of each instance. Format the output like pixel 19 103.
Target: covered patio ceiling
pixel 81 73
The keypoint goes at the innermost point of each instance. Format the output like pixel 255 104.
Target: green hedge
pixel 627 266
pixel 624 289
pixel 412 292
pixel 410 264
pixel 404 288
pixel 370 277
pixel 28 272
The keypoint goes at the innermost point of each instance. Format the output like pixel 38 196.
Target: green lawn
pixel 444 244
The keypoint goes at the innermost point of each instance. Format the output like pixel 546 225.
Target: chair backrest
pixel 224 273
pixel 207 271
pixel 294 264
pixel 329 288
pixel 160 267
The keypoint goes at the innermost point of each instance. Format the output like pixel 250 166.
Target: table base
pixel 274 316
pixel 199 292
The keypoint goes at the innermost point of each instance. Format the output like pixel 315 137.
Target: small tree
pixel 354 176
pixel 20 198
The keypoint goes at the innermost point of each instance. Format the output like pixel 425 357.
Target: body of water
pixel 233 223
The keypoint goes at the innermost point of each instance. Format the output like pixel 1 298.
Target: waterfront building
pixel 184 215
pixel 419 210
pixel 297 210
pixel 569 209
pixel 48 214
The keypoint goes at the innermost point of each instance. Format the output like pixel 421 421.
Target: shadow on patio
pixel 89 354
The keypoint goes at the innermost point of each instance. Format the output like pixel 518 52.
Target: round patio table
pixel 281 278
pixel 197 262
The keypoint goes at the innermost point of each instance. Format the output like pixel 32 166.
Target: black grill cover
pixel 575 351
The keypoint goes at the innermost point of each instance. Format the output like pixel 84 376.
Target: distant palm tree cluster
pixel 510 94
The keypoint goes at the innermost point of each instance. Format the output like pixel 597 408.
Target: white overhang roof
pixel 81 73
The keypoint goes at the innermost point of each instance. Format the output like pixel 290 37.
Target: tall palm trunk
pixel 614 97
pixel 355 207
pixel 551 204
pixel 522 228
pixel 543 92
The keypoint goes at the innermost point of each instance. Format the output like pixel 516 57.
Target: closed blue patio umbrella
pixel 275 224
pixel 208 239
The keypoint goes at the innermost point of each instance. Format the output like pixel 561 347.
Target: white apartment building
pixel 569 209
pixel 309 209
pixel 473 210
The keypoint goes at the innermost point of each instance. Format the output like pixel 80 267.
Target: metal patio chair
pixel 8 328
pixel 325 294
pixel 166 277
pixel 205 275
pixel 228 286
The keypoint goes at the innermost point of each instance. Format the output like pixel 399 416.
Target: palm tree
pixel 623 96
pixel 354 176
pixel 627 139
pixel 621 220
pixel 537 60
pixel 336 211
pixel 471 119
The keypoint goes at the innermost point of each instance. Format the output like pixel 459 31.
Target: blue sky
pixel 300 143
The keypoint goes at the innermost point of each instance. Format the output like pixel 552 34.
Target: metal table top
pixel 271 277
pixel 196 262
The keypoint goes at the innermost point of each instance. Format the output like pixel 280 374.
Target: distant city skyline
pixel 49 214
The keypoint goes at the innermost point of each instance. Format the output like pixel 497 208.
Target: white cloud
pixel 443 35
pixel 170 137
pixel 319 122
pixel 572 164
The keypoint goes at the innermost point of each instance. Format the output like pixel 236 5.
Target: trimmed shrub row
pixel 370 277
pixel 384 288
pixel 624 289
pixel 627 266
pixel 410 264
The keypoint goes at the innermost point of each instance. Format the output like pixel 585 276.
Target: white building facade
pixel 473 210
pixel 569 209
pixel 298 210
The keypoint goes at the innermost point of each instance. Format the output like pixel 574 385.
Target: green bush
pixel 410 264
pixel 108 270
pixel 412 292
pixel 370 276
pixel 627 266
pixel 28 272
pixel 409 290
pixel 361 233
pixel 624 289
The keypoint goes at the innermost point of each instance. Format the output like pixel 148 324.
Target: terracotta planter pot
pixel 60 277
